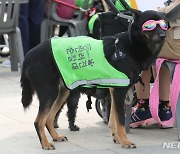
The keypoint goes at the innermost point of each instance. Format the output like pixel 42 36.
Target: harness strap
pixel 128 64
pixel 174 92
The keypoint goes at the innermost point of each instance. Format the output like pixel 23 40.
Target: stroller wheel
pixel 98 106
pixel 103 109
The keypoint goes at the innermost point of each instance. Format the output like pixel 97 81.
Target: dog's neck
pixel 117 55
pixel 138 53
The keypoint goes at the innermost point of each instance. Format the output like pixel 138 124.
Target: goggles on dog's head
pixel 151 24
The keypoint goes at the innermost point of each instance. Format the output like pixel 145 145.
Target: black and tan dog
pixel 129 52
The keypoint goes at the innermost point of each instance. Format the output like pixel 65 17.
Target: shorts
pixel 171 47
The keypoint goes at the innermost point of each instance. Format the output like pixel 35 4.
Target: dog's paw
pixel 115 139
pixel 60 139
pixel 125 143
pixel 48 146
pixel 56 125
pixel 74 128
pixel 128 144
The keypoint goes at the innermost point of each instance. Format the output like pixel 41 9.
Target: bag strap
pixel 174 92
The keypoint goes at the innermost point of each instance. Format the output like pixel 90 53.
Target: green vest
pixel 82 62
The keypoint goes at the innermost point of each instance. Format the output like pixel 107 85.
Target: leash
pixel 70 5
pixel 174 92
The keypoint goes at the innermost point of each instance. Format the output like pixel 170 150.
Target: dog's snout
pixel 159 37
pixel 162 36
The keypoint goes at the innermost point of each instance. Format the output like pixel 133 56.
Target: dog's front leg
pixel 117 117
pixel 112 122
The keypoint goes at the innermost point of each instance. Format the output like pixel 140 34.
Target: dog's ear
pixel 165 16
pixel 136 13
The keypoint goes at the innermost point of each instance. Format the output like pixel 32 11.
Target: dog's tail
pixel 27 90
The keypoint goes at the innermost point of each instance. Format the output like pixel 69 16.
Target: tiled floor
pixel 18 135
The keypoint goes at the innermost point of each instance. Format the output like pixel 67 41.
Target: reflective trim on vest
pixel 81 62
pixel 104 83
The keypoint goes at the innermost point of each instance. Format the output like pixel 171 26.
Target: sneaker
pixel 141 117
pixel 4 52
pixel 165 114
pixel 6 63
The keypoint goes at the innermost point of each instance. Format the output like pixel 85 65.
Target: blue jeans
pixel 30 18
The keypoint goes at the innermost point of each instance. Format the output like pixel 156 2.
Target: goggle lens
pixel 163 24
pixel 150 25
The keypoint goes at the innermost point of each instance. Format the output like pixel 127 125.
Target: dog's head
pixel 151 25
pixel 147 33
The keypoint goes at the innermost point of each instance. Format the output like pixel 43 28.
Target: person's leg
pixel 141 115
pixel 144 91
pixel 36 13
pixel 164 84
pixel 24 26
pixel 165 112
